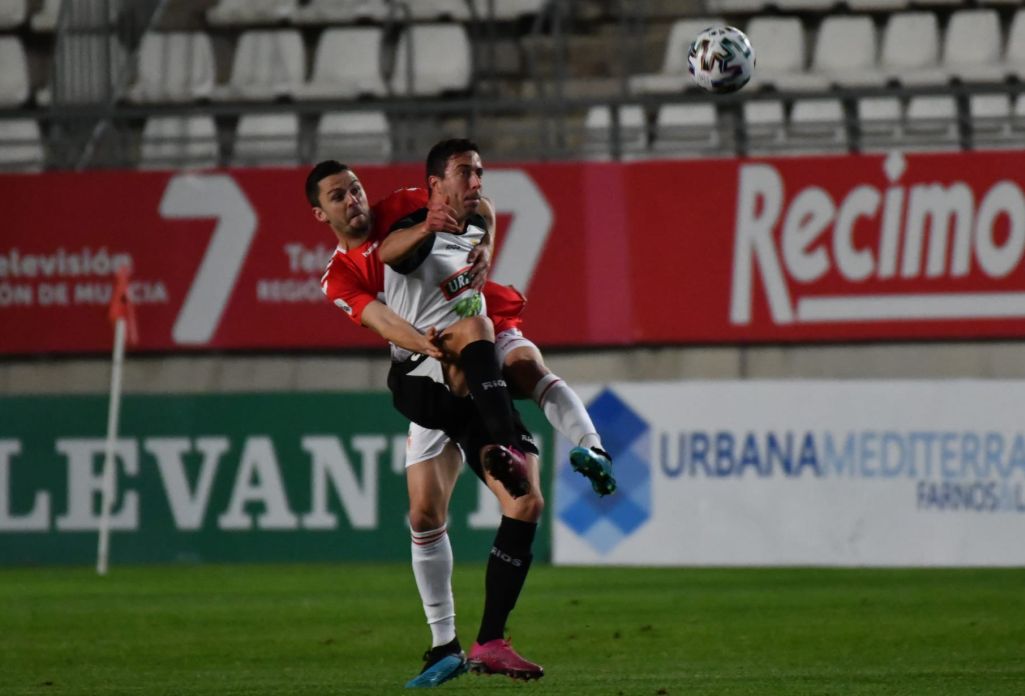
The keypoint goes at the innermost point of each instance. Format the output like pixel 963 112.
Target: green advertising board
pixel 224 478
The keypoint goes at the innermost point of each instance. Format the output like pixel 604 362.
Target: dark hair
pixel 322 170
pixel 437 158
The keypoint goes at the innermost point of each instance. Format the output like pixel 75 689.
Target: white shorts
pixel 423 444
pixel 508 341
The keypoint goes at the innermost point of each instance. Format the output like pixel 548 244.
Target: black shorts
pixel 418 395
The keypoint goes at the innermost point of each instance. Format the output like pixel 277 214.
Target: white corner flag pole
pixel 107 497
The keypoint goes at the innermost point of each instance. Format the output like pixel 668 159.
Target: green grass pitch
pixel 359 629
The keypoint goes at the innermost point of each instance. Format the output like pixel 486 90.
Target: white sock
pixel 565 411
pixel 432 568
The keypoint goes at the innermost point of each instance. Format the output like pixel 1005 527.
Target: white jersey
pixel 431 287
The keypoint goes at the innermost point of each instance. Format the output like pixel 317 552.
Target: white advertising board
pixel 847 473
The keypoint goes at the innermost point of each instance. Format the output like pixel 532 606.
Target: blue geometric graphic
pixel 604 522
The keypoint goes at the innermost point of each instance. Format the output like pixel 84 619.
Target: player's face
pixel 343 203
pixel 464 177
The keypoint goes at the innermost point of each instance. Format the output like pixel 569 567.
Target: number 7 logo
pixel 204 196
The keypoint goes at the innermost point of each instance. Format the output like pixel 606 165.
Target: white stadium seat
pixel 688 129
pixel 912 62
pixel 441 59
pixel 246 12
pixel 266 139
pixel 971 47
pixel 877 5
pixel 880 123
pixel 991 121
pixel 817 125
pixel 342 12
pixel 268 64
pixel 12 13
pixel 931 123
pixel 21 148
pixel 347 65
pixel 173 142
pixel 674 75
pixel 738 6
pixel 45 20
pixel 435 10
pixel 845 52
pixel 175 66
pixel 780 54
pixel 508 9
pixel 633 132
pixel 354 137
pixel 765 125
pixel 1014 55
pixel 804 5
pixel 14 87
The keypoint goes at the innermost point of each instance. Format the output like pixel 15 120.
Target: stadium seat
pixel 268 64
pixel 45 20
pixel 1014 55
pixel 765 126
pixel 880 123
pixel 780 54
pixel 737 6
pixel 817 125
pixel 362 137
pixel 633 132
pixel 342 12
pixel 347 65
pixel 435 10
pixel 991 121
pixel 441 59
pixel 845 52
pixel 689 129
pixel 804 5
pixel 266 139
pixel 14 87
pixel 912 62
pixel 173 142
pixel 248 12
pixel 12 13
pixel 175 66
pixel 931 123
pixel 508 9
pixel 21 148
pixel 877 5
pixel 674 75
pixel 971 47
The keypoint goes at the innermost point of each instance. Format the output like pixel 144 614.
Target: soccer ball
pixel 721 59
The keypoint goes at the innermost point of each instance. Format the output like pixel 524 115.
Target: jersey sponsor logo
pixel 370 249
pixel 457 283
pixel 890 252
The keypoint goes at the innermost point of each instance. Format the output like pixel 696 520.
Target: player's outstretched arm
pixel 392 327
pixel 480 256
pixel 403 241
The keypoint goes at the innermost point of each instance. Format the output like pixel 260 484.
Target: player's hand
pixel 441 217
pixel 432 346
pixel 442 342
pixel 479 259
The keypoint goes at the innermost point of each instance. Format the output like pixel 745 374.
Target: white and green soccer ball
pixel 721 59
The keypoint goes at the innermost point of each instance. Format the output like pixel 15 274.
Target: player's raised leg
pixel 528 375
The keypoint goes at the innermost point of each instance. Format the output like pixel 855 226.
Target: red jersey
pixel 355 278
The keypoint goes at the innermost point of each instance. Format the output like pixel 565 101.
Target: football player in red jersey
pixel 353 282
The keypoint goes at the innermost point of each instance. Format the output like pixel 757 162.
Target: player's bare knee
pixel 424 519
pixel 523 374
pixel 527 508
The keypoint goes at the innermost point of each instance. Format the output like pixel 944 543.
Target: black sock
pixel 507 571
pixel 489 390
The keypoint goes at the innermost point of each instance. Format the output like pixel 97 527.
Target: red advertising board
pixel 905 246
